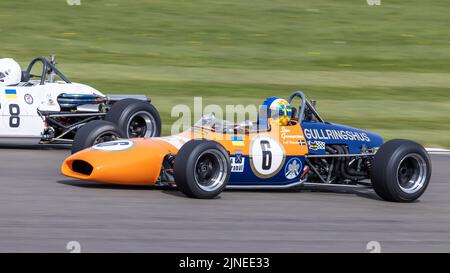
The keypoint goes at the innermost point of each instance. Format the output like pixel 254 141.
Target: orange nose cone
pixel 131 162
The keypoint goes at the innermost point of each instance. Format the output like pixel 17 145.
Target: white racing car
pixel 38 109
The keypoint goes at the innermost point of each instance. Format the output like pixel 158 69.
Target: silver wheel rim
pixel 210 170
pixel 141 124
pixel 412 173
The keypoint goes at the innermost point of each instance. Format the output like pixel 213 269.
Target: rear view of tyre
pixel 202 169
pixel 95 132
pixel 401 171
pixel 135 118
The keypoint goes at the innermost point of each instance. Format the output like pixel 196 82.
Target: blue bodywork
pixel 330 133
pixel 317 134
pixel 247 177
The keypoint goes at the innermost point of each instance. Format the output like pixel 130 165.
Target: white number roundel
pixel 114 146
pixel 267 156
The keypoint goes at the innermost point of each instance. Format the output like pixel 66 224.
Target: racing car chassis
pixel 339 166
pixel 59 125
pixel 64 107
pixel 199 163
pixel 399 170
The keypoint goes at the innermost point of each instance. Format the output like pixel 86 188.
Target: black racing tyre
pixel 202 169
pixel 136 118
pixel 401 171
pixel 94 132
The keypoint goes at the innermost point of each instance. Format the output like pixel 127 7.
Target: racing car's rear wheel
pixel 135 118
pixel 95 132
pixel 202 169
pixel 401 171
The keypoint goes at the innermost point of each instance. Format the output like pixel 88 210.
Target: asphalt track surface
pixel 41 211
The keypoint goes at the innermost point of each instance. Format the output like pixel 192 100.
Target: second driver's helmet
pixel 10 72
pixel 279 110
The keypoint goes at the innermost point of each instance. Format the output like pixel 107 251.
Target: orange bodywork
pixel 141 163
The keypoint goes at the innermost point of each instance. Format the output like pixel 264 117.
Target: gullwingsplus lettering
pixel 324 134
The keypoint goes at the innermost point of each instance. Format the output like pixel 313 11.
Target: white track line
pixel 437 151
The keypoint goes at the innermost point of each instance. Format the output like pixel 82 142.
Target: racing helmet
pixel 10 72
pixel 279 111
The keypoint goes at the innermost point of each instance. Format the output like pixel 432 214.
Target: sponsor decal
pixel 237 141
pixel 237 162
pixel 326 134
pixel 11 93
pixel 292 169
pixel 267 156
pixel 50 100
pixel 239 158
pixel 316 145
pixel 114 146
pixel 28 99
pixel 288 138
pixel 302 142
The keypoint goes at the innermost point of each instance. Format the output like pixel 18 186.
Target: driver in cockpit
pixel 275 111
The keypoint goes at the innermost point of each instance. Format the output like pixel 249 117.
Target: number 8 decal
pixel 14 120
pixel 267 156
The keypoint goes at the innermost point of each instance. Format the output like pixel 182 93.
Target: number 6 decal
pixel 267 156
pixel 14 120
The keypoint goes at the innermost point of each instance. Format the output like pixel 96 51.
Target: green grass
pixel 384 68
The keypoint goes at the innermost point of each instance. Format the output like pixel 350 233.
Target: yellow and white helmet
pixel 280 110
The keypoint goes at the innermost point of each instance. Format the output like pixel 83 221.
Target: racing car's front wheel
pixel 95 132
pixel 202 169
pixel 135 118
pixel 401 171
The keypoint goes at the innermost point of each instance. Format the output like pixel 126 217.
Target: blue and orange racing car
pixel 215 154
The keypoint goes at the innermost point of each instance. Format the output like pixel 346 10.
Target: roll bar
pixel 305 103
pixel 48 68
